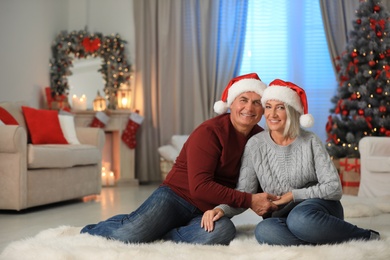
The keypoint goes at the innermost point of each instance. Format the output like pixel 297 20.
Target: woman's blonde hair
pixel 293 127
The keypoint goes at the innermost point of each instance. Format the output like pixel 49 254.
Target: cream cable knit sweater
pixel 303 167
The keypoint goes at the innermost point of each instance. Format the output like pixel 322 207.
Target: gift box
pixel 59 102
pixel 336 162
pixel 350 175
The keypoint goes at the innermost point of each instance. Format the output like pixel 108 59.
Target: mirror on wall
pixel 79 51
pixel 86 79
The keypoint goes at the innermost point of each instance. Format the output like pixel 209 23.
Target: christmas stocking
pixel 128 135
pixel 100 120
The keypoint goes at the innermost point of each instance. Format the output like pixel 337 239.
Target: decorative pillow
pixel 178 141
pixel 7 118
pixel 168 152
pixel 68 128
pixel 43 126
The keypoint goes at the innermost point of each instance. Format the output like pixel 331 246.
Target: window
pixel 285 39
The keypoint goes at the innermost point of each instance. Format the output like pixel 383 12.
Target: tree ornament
pixel 354 54
pixel 381 56
pixel 382 130
pixel 345 112
pixel 382 109
pixel 361 112
pixel 371 63
pixel 359 21
pixel 379 34
pixel 353 96
pixel 377 8
pixel 387 133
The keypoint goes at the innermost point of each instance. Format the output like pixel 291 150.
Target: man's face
pixel 246 111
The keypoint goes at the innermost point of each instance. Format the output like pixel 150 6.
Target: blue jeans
pixel 312 222
pixel 164 215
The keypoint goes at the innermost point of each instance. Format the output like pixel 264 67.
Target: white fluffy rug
pixel 66 243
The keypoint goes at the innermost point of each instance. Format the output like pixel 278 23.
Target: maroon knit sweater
pixel 207 168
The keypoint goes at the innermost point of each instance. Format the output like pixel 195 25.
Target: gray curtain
pixel 337 16
pixel 186 53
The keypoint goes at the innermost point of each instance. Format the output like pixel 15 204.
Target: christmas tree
pixel 362 102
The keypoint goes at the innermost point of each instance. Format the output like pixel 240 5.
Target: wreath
pixel 81 44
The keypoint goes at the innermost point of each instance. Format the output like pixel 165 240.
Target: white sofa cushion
pixel 61 156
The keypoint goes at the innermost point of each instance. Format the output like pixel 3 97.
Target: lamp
pixel 99 103
pixel 124 97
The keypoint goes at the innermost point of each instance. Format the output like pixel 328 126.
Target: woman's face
pixel 275 115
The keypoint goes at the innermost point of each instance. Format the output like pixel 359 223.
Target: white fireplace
pixel 115 151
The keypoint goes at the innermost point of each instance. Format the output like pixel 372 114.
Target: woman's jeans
pixel 164 215
pixel 313 221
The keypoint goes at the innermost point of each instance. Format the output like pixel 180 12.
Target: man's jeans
pixel 313 221
pixel 164 215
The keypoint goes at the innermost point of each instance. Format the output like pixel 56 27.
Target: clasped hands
pixel 262 203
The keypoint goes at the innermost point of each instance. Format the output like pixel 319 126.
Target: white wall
pixel 28 27
pixel 106 17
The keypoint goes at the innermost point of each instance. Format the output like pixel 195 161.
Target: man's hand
pixel 262 203
pixel 209 217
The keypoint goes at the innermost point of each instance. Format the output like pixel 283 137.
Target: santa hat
pixel 245 83
pixel 292 95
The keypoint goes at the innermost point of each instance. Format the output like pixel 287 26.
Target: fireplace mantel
pixel 123 157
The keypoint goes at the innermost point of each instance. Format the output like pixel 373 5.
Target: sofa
pixel 37 172
pixel 375 166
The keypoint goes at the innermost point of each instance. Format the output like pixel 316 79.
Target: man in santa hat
pixel 204 175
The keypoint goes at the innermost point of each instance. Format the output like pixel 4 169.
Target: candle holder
pixel 124 97
pixel 99 103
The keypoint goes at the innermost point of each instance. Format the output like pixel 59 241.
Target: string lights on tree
pixel 362 102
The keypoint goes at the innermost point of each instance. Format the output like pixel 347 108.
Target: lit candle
pixel 124 102
pixel 75 102
pixel 83 102
pixel 104 177
pixel 111 179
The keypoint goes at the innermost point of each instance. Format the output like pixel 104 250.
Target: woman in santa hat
pixel 293 163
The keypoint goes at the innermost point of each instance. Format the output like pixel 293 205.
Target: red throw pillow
pixel 7 118
pixel 44 126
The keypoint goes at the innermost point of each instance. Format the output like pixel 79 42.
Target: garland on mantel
pixel 115 68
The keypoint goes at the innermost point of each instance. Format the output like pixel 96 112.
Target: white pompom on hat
pixel 244 83
pixel 293 96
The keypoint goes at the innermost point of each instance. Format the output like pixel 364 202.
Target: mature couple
pixel 229 164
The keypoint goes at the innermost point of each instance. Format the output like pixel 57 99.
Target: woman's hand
pixel 209 217
pixel 284 199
